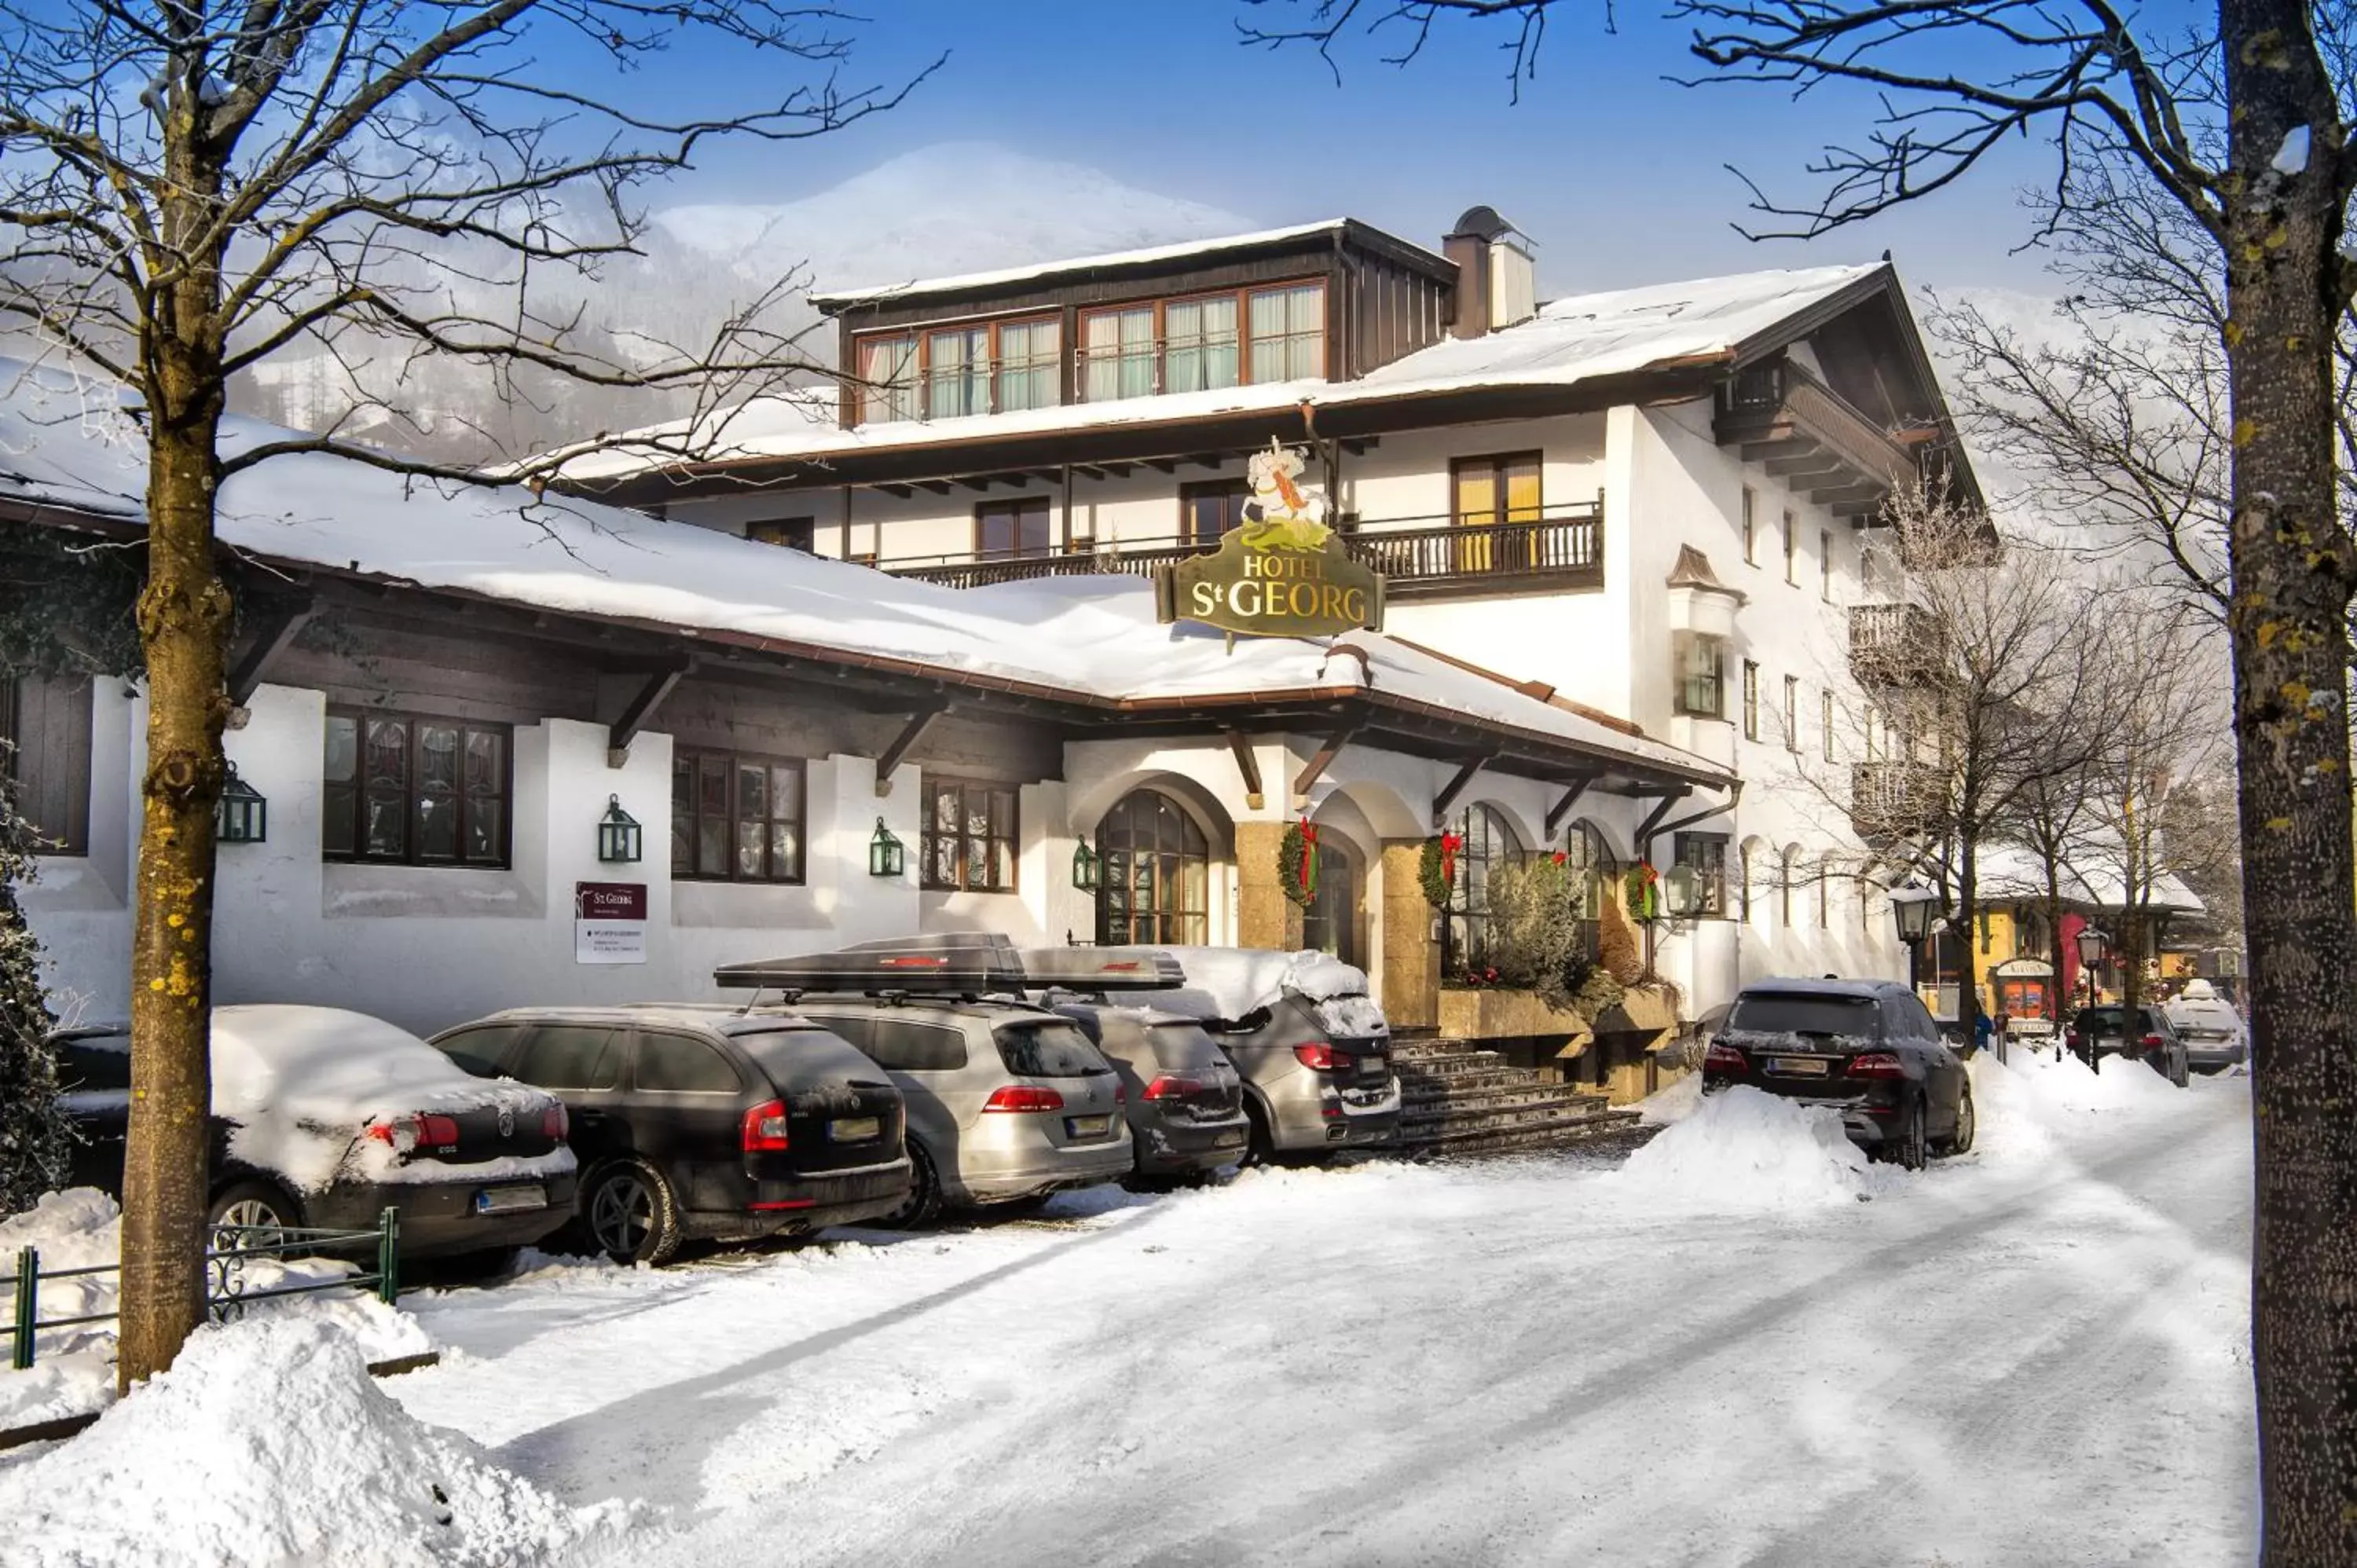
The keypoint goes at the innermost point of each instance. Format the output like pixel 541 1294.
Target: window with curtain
pixel 957 372
pixel 1029 364
pixel 1013 528
pixel 413 790
pixel 735 818
pixel 1705 855
pixel 1155 880
pixel 1465 935
pixel 1207 511
pixel 1698 686
pixel 1117 354
pixel 1200 348
pixel 1288 332
pixel 1487 491
pixel 970 835
pixel 889 366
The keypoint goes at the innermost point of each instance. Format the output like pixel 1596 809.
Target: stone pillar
pixel 1411 958
pixel 1265 918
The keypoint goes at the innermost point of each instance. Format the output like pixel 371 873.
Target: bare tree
pixel 2242 125
pixel 189 190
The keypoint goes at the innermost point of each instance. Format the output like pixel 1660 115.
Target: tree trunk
pixel 2293 576
pixel 184 620
pixel 1968 893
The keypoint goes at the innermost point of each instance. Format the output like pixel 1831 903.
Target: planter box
pixel 1643 1012
pixel 1503 1015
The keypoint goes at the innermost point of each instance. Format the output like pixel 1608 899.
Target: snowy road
pixel 2034 1354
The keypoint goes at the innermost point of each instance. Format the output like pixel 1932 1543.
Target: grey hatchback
pixel 1186 1100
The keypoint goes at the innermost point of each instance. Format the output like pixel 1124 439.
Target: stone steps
pixel 1456 1099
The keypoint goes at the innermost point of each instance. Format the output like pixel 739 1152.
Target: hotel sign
pixel 1280 573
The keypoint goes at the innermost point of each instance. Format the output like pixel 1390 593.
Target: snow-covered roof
pixel 70 442
pixel 1147 256
pixel 2093 876
pixel 1580 339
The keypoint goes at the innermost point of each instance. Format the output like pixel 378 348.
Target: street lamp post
pixel 2092 945
pixel 1910 906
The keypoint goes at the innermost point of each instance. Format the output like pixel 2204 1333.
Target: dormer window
pixel 888 365
pixel 946 372
pixel 1193 343
pixel 1288 333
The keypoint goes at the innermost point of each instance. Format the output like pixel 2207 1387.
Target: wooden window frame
pixel 698 754
pixel 920 367
pixel 1751 699
pixel 356 853
pixel 1194 490
pixel 1014 504
pixel 1679 643
pixel 1710 870
pixel 1159 338
pixel 929 787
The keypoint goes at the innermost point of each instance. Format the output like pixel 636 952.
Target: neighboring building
pixel 445 700
pixel 1650 502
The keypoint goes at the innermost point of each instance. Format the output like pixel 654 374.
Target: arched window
pixel 1465 943
pixel 1330 923
pixel 1788 871
pixel 1589 863
pixel 1157 875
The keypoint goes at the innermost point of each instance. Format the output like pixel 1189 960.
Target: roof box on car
pixel 953 963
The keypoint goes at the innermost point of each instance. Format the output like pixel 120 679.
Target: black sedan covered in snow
pixel 325 1118
pixel 1865 1048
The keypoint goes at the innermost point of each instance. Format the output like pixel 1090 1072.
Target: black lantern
pixel 242 815
pixel 884 855
pixel 1910 906
pixel 2092 947
pixel 1088 868
pixel 617 833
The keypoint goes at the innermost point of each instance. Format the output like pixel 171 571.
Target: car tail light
pixel 1725 1058
pixel 1170 1087
pixel 555 1125
pixel 1321 1057
pixel 765 1129
pixel 1877 1064
pixel 406 1134
pixel 2155 1043
pixel 1023 1097
pixel 1121 1094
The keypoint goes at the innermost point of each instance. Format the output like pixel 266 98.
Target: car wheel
pixel 1259 1144
pixel 923 1204
pixel 1914 1148
pixel 1961 1141
pixel 631 1214
pixel 245 1215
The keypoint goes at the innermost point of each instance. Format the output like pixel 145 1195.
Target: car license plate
pixel 855 1129
pixel 1087 1127
pixel 1234 1140
pixel 1373 1067
pixel 510 1199
pixel 1807 1066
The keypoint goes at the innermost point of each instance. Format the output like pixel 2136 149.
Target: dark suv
pixel 703 1122
pixel 2100 1031
pixel 1865 1048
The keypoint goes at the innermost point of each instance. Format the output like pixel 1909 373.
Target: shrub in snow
pixel 32 1129
pixel 268 1444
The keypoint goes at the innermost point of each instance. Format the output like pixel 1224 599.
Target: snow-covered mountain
pixel 952 208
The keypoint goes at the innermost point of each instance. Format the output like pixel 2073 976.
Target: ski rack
pixel 964 964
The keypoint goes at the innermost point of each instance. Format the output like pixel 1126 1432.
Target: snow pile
pixel 1749 1151
pixel 302 1082
pixel 2068 1087
pixel 1231 982
pixel 268 1443
pixel 1676 1104
pixel 73 1369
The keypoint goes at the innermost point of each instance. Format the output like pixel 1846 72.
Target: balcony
pixel 1804 434
pixel 1895 800
pixel 1893 646
pixel 1419 558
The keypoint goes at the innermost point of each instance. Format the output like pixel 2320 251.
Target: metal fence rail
pixel 226 1293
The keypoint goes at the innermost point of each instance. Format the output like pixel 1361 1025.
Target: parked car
pixel 2212 1031
pixel 1006 1100
pixel 1865 1048
pixel 1186 1100
pixel 1313 1048
pixel 703 1122
pixel 2100 1031
pixel 324 1118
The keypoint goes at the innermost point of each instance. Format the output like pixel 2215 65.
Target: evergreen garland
pixel 1432 871
pixel 33 1135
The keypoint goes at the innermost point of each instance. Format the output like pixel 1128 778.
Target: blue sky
pixel 1618 173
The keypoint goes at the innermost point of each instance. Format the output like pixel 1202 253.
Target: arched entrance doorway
pixel 1330 924
pixel 1155 886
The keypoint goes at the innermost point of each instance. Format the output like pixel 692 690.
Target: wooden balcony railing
pixel 1893 645
pixel 1560 551
pixel 1895 800
pixel 1808 435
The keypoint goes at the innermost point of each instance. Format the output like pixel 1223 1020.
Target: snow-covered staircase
pixel 1458 1099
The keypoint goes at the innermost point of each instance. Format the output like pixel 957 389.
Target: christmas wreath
pixel 1644 892
pixel 1437 870
pixel 1297 863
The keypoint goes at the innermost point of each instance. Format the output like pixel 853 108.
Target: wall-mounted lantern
pixel 885 857
pixel 1681 892
pixel 1088 867
pixel 242 815
pixel 618 833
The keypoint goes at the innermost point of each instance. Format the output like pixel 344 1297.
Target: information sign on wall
pixel 609 922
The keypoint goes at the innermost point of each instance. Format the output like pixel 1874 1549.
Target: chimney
pixel 1496 284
